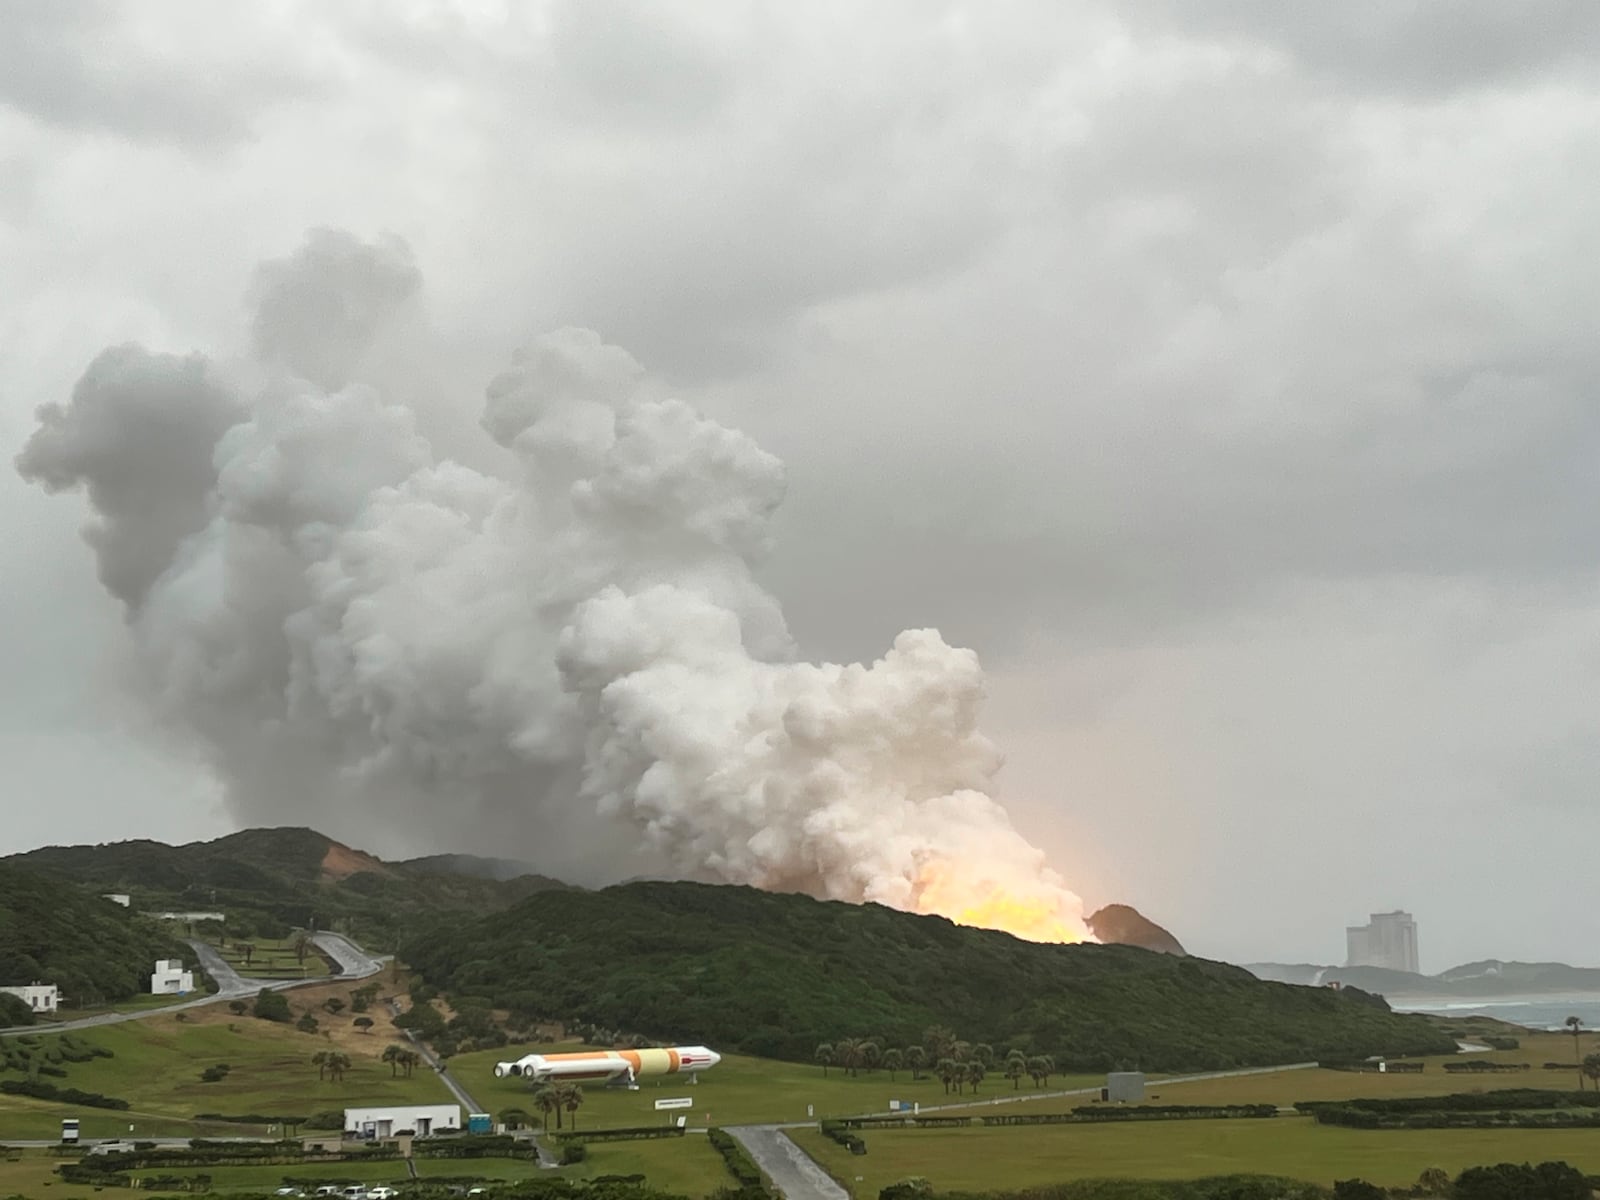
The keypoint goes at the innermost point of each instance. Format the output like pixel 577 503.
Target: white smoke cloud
pixel 571 657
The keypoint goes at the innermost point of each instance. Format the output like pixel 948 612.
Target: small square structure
pixel 39 997
pixel 1125 1087
pixel 170 979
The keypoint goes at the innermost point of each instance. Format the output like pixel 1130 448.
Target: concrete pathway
pixel 791 1169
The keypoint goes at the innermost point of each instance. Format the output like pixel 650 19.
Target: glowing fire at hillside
pixel 1043 910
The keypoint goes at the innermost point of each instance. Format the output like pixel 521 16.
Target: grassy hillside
pixel 92 949
pixel 776 975
pixel 269 880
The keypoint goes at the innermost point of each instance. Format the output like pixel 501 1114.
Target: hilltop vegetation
pixel 268 881
pixel 92 949
pixel 776 975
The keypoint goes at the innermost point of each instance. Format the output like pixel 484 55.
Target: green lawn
pixel 980 1159
pixel 157 1067
pixel 274 959
pixel 737 1091
pixel 1284 1088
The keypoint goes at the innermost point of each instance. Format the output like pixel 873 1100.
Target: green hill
pixel 92 949
pixel 269 880
pixel 775 975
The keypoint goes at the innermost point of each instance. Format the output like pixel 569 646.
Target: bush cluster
pixel 752 1184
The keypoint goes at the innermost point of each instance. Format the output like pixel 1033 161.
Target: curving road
pixel 355 963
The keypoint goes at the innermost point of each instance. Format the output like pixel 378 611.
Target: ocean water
pixel 1536 1012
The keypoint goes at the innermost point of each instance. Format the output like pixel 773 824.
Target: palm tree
pixel 1016 1068
pixel 320 1061
pixel 338 1064
pixel 984 1053
pixel 391 1055
pixel 946 1071
pixel 1039 1067
pixel 1591 1069
pixel 975 1073
pixel 893 1060
pixel 544 1099
pixel 871 1055
pixel 960 1051
pixel 1576 1025
pixel 917 1060
pixel 408 1060
pixel 571 1100
pixel 548 1099
pixel 824 1055
pixel 847 1054
pixel 938 1039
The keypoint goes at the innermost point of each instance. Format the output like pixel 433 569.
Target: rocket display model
pixel 612 1066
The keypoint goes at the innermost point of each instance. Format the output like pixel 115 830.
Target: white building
pixel 170 979
pixel 421 1119
pixel 1390 940
pixel 121 898
pixel 40 997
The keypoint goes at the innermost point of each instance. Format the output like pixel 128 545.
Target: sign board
pixel 679 1102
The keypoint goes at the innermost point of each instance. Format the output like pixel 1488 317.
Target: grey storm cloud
pixel 1221 374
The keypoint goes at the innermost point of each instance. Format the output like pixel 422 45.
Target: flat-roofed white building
pixel 170 979
pixel 420 1119
pixel 121 898
pixel 40 997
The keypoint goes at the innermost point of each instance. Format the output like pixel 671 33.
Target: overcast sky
pixel 1223 374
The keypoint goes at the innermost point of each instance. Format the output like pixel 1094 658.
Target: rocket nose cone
pixel 715 1057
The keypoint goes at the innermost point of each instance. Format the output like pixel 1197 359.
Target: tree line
pixel 953 1061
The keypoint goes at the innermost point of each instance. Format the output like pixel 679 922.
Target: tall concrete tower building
pixel 1389 940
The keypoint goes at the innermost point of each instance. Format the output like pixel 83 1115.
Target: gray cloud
pixel 1221 374
pixel 88 65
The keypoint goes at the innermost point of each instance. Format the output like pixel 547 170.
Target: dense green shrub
pixel 1519 1181
pixel 49 1091
pixel 741 1166
pixel 272 1006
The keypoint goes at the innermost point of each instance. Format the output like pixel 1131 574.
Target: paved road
pixel 792 1171
pixel 356 964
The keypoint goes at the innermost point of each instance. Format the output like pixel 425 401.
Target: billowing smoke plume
pixel 567 659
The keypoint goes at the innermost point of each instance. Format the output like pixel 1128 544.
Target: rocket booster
pixel 620 1066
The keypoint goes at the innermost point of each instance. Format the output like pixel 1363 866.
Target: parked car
pixel 383 1192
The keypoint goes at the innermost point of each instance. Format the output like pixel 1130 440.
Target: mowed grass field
pixel 998 1158
pixel 1284 1088
pixel 157 1064
pixel 273 959
pixel 737 1091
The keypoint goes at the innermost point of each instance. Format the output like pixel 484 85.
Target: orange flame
pixel 1040 911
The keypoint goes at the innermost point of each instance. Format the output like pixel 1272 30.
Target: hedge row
pixel 837 1131
pixel 630 1134
pixel 1354 1118
pixel 740 1165
pixel 49 1091
pixel 1175 1112
pixel 1503 1099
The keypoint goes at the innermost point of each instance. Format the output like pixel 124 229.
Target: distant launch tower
pixel 1389 940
